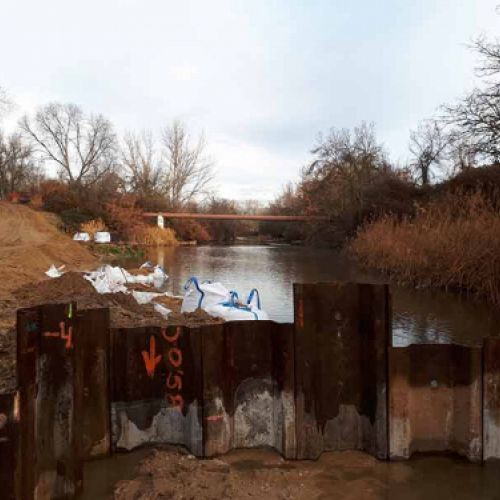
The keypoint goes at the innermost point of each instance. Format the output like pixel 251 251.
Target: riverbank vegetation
pixel 414 220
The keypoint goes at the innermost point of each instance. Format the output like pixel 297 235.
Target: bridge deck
pixel 249 217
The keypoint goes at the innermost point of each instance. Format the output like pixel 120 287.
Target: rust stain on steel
pixel 340 367
pixel 92 383
pixel 248 386
pixel 250 217
pixel 27 352
pixel 166 407
pixel 435 400
pixel 9 432
pixel 491 398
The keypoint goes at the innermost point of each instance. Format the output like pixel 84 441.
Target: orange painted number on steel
pixel 177 401
pixel 176 383
pixel 150 359
pixel 174 379
pixel 171 338
pixel 175 357
pixel 68 337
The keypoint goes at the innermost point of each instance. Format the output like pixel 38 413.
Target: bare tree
pixel 18 170
pixel 81 146
pixel 428 146
pixel 477 116
pixel 142 164
pixel 5 103
pixel 188 171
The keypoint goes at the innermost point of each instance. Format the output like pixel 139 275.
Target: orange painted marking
pixel 175 357
pixel 300 313
pixel 151 360
pixel 51 334
pixel 177 401
pixel 68 337
pixel 176 383
pixel 171 338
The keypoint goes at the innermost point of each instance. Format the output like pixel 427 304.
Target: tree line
pixel 350 176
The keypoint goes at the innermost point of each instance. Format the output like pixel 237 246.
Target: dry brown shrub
pixel 156 236
pixel 125 217
pixel 452 243
pixel 93 226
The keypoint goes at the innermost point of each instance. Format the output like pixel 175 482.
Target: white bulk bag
pixel 102 237
pixel 203 295
pixel 233 310
pixel 81 237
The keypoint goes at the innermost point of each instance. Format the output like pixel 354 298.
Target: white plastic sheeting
pixel 55 272
pixel 161 309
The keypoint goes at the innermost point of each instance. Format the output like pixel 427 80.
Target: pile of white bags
pixel 218 301
pixel 111 279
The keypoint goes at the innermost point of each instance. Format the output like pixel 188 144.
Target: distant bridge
pixel 247 217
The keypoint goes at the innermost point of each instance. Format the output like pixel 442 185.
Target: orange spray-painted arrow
pixel 150 360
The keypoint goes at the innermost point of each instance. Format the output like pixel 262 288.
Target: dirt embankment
pixel 29 243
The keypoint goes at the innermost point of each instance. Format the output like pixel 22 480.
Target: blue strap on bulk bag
pixel 253 292
pixel 194 280
pixel 233 302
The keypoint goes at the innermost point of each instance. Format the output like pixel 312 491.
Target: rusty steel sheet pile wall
pixel 248 369
pixel 56 380
pixel 341 339
pixel 435 400
pixel 211 388
pixel 9 433
pixel 157 387
pixel 491 398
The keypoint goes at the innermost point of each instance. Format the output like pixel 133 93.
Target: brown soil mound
pixel 30 243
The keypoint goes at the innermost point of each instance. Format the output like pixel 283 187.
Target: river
pixel 432 316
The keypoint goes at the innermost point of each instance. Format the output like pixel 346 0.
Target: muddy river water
pixel 418 316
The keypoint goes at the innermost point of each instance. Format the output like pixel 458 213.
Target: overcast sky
pixel 261 77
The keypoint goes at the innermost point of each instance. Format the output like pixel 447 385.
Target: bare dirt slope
pixel 29 243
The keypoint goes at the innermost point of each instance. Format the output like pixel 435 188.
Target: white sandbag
pixel 55 272
pixel 203 295
pixel 164 311
pixel 145 297
pixel 81 237
pixel 159 277
pixel 102 237
pixel 108 279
